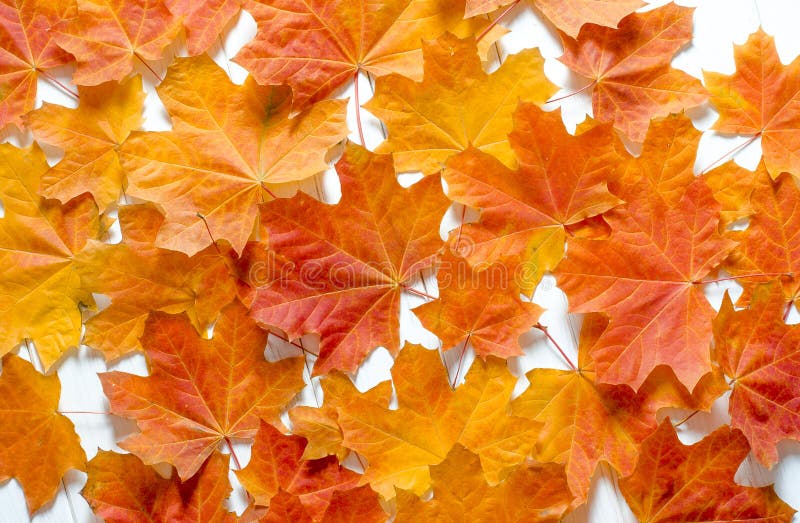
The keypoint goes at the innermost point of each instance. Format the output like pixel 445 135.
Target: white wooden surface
pixel 718 25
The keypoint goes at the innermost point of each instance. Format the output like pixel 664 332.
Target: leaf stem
pixel 152 71
pixel 290 342
pixel 582 89
pixel 743 276
pixel 233 453
pixel 732 153
pixel 461 361
pixel 58 84
pixel 208 229
pixel 496 21
pixel 687 418
pixel 415 291
pixel 358 108
pixel 556 345
pixel 83 412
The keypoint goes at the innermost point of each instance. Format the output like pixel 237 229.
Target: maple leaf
pixel 227 145
pixel 331 41
pixel 320 425
pixel 122 489
pixel 456 105
pixel 37 445
pixel 200 392
pixel 203 20
pixel 40 293
pixel 477 306
pixel 734 189
pixel 140 277
pixel 760 99
pixel 276 464
pixel 629 67
pixel 535 493
pixel 399 445
pixel 586 422
pixel 108 36
pixel 27 50
pixel 757 350
pixel 673 482
pixel 561 181
pixel 89 137
pixel 351 261
pixel 567 15
pixel 646 276
pixel 357 505
pixel 771 243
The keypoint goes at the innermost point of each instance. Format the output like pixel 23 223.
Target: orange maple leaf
pixel 757 350
pixel 629 67
pixel 456 105
pixel 760 99
pixel 122 489
pixel 533 493
pixel 479 307
pixel 647 277
pixel 40 292
pixel 771 243
pixel 586 422
pixel 27 50
pixel 561 181
pixel 200 392
pixel 567 15
pixel 228 143
pixel 276 464
pixel 203 20
pixel 673 482
pixel 331 41
pixel 348 264
pixel 37 445
pixel 89 136
pixel 399 445
pixel 140 277
pixel 108 36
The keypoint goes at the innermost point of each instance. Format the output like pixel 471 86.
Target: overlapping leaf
pixel 140 277
pixel 630 68
pixel 332 40
pixel 203 20
pixel 673 482
pixel 760 99
pixel 89 136
pixel 561 181
pixel 37 445
pixel 347 264
pixel 27 50
pixel 479 307
pixel 109 37
pixel 122 489
pixel 228 144
pixel 200 392
pixel 40 292
pixel 535 493
pixel 586 422
pixel 456 106
pixel 761 354
pixel 646 276
pixel 570 15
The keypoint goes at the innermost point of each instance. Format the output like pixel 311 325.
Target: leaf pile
pixel 221 257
